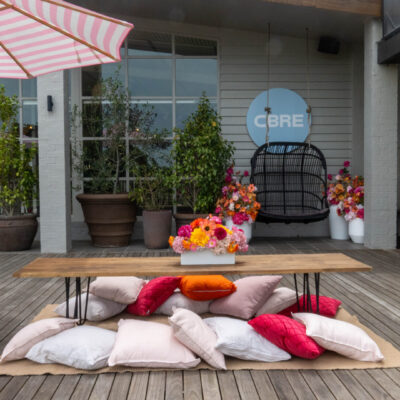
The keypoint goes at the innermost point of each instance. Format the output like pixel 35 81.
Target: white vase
pixel 205 257
pixel 356 230
pixel 337 225
pixel 247 227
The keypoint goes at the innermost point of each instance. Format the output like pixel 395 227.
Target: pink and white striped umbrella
pixel 42 36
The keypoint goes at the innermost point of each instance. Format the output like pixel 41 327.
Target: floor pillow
pixel 288 334
pixel 98 308
pixel 196 335
pixel 121 289
pixel 238 339
pixel 153 294
pixel 206 287
pixel 327 306
pixel 82 347
pixel 251 293
pixel 149 344
pixel 340 336
pixel 34 333
pixel 280 299
pixel 178 300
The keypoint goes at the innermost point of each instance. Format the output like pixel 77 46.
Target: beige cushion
pixel 195 334
pixel 178 300
pixel 33 333
pixel 121 289
pixel 341 337
pixel 280 299
pixel 149 344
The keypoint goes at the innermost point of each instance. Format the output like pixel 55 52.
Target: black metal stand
pixel 78 300
pixel 307 304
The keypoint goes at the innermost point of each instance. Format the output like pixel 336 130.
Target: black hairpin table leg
pixel 307 303
pixel 67 280
pixel 297 292
pixel 317 281
pixel 78 314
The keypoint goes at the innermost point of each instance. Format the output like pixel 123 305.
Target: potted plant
pixel 108 210
pixel 18 181
pixel 201 158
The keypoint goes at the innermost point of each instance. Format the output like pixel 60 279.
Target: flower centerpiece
pixel 238 205
pixel 207 241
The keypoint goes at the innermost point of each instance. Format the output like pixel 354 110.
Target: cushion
pixel 251 293
pixel 287 334
pixel 153 294
pixel 33 333
pixel 178 300
pixel 206 287
pixel 82 347
pixel 238 339
pixel 340 336
pixel 149 344
pixel 195 334
pixel 280 299
pixel 122 289
pixel 327 306
pixel 98 309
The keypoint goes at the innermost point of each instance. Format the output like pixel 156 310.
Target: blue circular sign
pixel 287 120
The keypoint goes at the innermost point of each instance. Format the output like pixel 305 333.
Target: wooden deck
pixel 372 296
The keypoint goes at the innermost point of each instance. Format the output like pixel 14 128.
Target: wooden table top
pixel 162 266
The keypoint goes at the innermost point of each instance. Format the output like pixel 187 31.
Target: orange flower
pixel 196 223
pixel 237 206
pixel 232 248
pixel 251 188
pixel 171 240
pixel 186 245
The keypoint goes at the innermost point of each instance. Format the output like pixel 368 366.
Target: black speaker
pixel 328 45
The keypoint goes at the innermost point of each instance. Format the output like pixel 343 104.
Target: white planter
pixel 356 230
pixel 247 227
pixel 204 257
pixel 337 225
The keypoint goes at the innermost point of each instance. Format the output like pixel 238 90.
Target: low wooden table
pixel 79 268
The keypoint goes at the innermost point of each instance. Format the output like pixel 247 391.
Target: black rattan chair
pixel 291 179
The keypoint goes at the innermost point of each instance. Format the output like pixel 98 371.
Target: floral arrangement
pixel 337 190
pixel 238 200
pixel 208 234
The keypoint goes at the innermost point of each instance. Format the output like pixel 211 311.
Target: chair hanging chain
pixel 268 108
pixel 309 121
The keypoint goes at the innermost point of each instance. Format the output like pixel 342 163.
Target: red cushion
pixel 153 294
pixel 287 334
pixel 327 306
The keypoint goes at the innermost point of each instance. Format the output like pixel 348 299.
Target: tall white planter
pixel 356 230
pixel 337 225
pixel 247 227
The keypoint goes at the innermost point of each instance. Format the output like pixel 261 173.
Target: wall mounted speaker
pixel 328 45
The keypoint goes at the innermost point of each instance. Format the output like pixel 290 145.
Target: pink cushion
pixel 287 334
pixel 280 299
pixel 327 306
pixel 153 294
pixel 33 333
pixel 251 293
pixel 149 344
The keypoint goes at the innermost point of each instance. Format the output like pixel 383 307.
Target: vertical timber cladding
pixel 243 75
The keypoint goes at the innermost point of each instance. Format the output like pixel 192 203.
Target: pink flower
pixel 211 243
pixel 216 219
pixel 246 173
pixel 218 210
pixel 330 177
pixel 239 218
pixel 341 172
pixel 177 245
pixel 228 179
pixel 229 171
pixel 185 231
pixel 225 190
pixel 360 213
pixel 220 233
pixel 346 164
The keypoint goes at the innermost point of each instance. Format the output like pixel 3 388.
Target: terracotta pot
pixel 17 232
pixel 110 218
pixel 157 228
pixel 186 218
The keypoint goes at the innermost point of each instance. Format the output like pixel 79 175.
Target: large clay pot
pixel 338 226
pixel 186 218
pixel 110 218
pixel 17 232
pixel 157 228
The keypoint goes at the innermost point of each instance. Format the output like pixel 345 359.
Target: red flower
pixel 346 164
pixel 220 233
pixel 246 173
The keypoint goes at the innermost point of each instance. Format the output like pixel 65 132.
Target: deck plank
pixel 209 384
pixel 138 388
pixel 156 386
pixel 299 385
pixel 263 384
pixel 227 385
pixel 246 386
pixel 282 385
pixel 174 386
pixel 48 388
pixel 192 385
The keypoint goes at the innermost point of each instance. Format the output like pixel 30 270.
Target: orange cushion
pixel 206 287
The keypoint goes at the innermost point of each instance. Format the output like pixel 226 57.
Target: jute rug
pixel 328 361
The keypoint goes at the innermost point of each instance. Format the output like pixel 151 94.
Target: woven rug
pixel 328 360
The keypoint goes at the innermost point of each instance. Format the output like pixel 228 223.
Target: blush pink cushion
pixel 121 289
pixel 251 293
pixel 149 344
pixel 327 306
pixel 287 334
pixel 280 299
pixel 153 294
pixel 195 334
pixel 33 333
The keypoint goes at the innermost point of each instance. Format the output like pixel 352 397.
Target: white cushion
pixel 194 333
pixel 149 344
pixel 280 299
pixel 98 309
pixel 82 347
pixel 238 339
pixel 178 300
pixel 340 336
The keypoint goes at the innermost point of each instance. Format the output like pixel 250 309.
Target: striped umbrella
pixel 42 36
